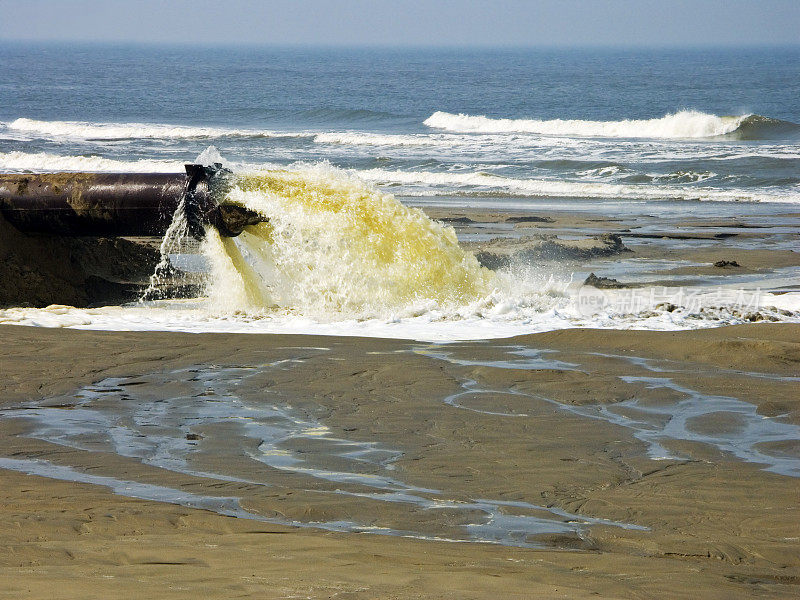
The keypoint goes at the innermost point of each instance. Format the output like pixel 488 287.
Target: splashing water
pixel 173 241
pixel 336 247
pixel 340 257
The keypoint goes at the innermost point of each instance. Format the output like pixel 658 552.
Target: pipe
pixel 121 204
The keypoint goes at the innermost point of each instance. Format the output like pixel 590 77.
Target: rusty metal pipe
pixel 120 204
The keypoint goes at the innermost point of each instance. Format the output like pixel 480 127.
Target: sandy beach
pixel 477 420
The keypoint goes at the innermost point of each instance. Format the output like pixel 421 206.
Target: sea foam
pixel 46 161
pixel 681 124
pixel 123 131
pixel 480 183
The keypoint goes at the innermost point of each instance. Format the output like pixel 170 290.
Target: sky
pixel 675 23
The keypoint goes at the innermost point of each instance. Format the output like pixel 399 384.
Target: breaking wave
pixel 125 131
pixel 679 125
pixel 45 161
pixel 483 183
pixel 756 127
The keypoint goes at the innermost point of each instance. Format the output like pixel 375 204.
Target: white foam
pixel 45 161
pixel 122 131
pixel 681 124
pixel 495 316
pixel 606 171
pixel 337 246
pixel 489 182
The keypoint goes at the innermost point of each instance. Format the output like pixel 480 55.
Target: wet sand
pixel 681 247
pixel 610 464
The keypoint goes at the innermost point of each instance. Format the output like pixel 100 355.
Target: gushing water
pixel 336 246
pixel 172 242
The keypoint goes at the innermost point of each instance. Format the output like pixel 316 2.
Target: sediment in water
pixel 335 245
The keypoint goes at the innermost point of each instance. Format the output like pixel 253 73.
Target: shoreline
pixel 651 272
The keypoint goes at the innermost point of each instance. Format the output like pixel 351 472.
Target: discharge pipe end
pixel 122 204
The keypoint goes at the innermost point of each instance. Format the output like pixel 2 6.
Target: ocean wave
pixel 45 161
pixel 757 127
pixel 481 183
pixel 124 131
pixel 684 176
pixel 679 125
pixel 604 171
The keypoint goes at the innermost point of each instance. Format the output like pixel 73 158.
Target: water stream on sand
pixel 236 446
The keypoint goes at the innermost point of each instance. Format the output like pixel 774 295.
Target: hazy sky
pixel 407 22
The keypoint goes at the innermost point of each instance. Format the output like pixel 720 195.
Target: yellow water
pixel 336 246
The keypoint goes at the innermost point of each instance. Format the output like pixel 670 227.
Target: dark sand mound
pixel 43 270
pixel 499 253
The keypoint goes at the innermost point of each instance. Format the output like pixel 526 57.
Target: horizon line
pixel 379 46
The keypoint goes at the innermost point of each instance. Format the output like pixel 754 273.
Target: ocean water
pixel 711 132
pixel 710 124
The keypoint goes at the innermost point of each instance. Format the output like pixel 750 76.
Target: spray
pixel 336 247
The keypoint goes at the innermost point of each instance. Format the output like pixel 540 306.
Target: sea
pixel 712 132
